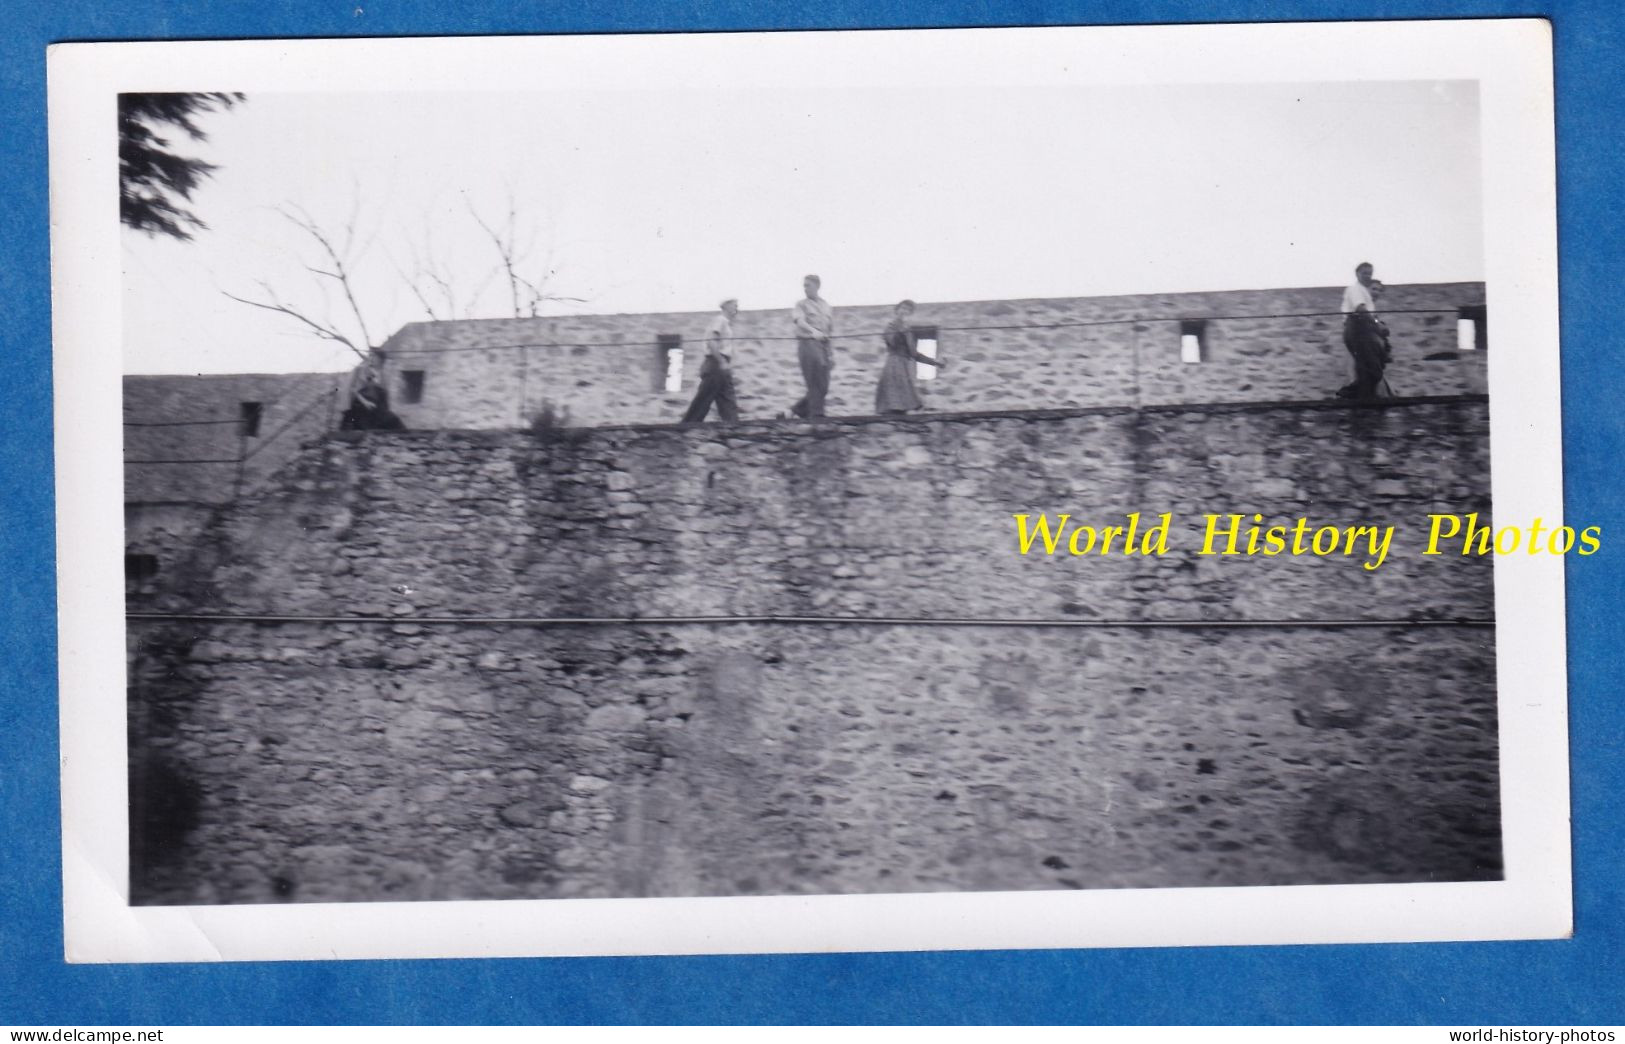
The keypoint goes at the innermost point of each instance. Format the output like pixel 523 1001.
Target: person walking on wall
pixel 897 392
pixel 716 372
pixel 814 322
pixel 1366 337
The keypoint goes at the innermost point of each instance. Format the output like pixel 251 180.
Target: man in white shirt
pixel 814 323
pixel 1359 294
pixel 716 372
pixel 1364 335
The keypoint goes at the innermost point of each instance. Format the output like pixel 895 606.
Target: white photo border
pixel 1510 60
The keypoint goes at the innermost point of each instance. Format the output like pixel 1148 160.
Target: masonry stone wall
pixel 1024 354
pixel 402 756
pixel 187 452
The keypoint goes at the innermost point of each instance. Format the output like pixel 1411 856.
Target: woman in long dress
pixel 897 392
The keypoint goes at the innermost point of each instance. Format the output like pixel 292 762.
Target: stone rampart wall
pixel 408 758
pixel 1001 355
pixel 187 450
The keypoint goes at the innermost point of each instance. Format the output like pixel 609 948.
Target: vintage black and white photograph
pixel 1044 467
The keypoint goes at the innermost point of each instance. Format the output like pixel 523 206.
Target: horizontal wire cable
pixel 319 399
pixel 180 423
pixel 589 621
pixel 1073 324
pixel 787 337
pixel 1026 411
pixel 261 443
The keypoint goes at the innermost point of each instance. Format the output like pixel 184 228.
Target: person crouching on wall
pixel 369 402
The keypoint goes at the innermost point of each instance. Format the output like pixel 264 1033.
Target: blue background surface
pixel 1575 981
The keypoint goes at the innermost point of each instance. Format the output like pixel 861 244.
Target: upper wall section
pixel 205 439
pixel 1257 345
pixel 895 517
pixel 193 442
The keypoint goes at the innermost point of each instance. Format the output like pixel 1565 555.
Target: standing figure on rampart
pixel 716 372
pixel 814 322
pixel 1365 336
pixel 897 391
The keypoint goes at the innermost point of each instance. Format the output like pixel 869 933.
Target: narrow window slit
pixel 1192 340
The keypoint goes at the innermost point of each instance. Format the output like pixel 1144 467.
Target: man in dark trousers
pixel 1365 336
pixel 814 323
pixel 716 372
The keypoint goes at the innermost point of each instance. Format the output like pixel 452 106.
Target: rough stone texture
pixel 503 373
pixel 172 423
pixel 195 416
pixel 899 516
pixel 412 759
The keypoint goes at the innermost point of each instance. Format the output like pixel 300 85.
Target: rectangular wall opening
pixel 139 567
pixel 248 419
pixel 412 386
pixel 926 342
pixel 669 363
pixel 1192 340
pixel 1472 325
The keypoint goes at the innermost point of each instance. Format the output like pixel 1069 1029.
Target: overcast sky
pixel 645 201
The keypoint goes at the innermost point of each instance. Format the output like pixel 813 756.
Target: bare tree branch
pixel 427 282
pixel 526 294
pixel 445 290
pixel 537 295
pixel 537 289
pixel 479 288
pixel 339 273
pixel 503 241
pixel 325 331
pixel 432 278
pixel 413 284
